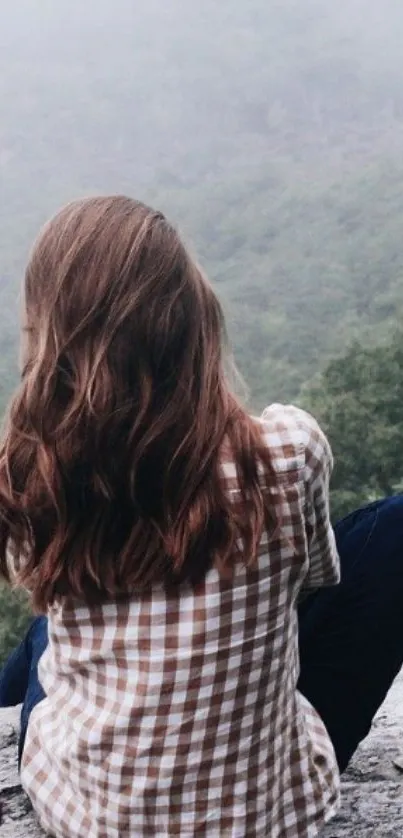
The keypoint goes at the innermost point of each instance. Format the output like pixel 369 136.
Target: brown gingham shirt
pixel 178 714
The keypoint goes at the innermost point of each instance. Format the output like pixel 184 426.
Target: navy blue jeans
pixel 19 682
pixel 351 636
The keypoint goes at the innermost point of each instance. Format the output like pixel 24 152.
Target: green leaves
pixel 15 616
pixel 359 401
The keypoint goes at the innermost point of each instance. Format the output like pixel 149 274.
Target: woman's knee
pixel 373 534
pixel 391 509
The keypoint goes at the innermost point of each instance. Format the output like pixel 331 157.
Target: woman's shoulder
pixel 293 436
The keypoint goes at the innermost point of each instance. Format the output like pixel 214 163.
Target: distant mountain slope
pixel 272 133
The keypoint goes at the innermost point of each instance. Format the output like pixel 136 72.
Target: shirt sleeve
pixel 324 564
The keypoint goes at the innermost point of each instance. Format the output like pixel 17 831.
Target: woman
pixel 168 538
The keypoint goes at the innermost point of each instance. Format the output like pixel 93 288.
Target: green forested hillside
pixel 271 132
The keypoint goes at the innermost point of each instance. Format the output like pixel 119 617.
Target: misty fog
pixel 270 132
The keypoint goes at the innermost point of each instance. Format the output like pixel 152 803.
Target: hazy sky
pixel 103 94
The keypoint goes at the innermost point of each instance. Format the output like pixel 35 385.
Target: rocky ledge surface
pixel 372 787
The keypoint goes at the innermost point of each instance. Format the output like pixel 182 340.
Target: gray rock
pixel 16 817
pixel 372 801
pixel 372 788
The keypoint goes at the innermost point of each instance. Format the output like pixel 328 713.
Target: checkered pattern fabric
pixel 178 715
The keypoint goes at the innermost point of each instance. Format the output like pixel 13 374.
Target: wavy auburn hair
pixel 110 464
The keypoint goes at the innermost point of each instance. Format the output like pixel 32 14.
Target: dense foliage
pixel 358 400
pixel 15 617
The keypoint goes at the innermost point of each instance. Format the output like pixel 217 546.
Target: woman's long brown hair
pixel 110 465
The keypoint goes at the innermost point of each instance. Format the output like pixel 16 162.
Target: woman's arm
pixel 324 566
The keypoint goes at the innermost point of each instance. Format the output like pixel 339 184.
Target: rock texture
pixel 372 788
pixel 16 817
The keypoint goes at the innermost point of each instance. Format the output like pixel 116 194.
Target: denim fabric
pixel 351 636
pixel 19 682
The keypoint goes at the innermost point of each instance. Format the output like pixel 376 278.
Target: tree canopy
pixel 358 400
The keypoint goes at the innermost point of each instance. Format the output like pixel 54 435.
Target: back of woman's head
pixel 110 467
